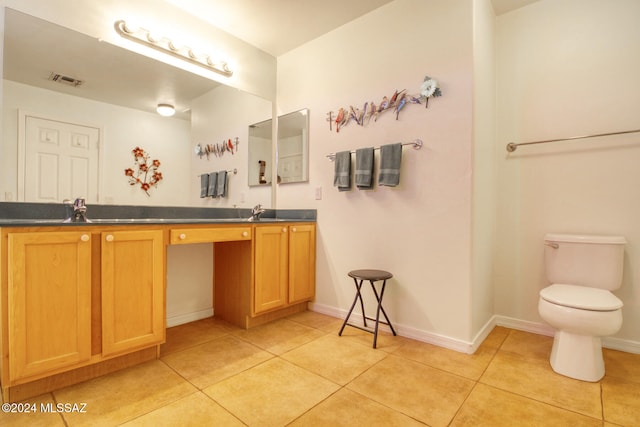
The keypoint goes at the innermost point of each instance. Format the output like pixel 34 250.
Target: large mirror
pixel 64 75
pixel 293 147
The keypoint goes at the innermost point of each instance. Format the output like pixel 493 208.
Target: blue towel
pixel 342 176
pixel 364 168
pixel 221 190
pixel 211 189
pixel 204 184
pixel 390 156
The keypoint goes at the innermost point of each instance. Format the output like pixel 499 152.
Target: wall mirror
pixel 293 147
pixel 35 48
pixel 259 165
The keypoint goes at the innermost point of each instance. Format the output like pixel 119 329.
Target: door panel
pixel 49 298
pixel 61 161
pixel 133 301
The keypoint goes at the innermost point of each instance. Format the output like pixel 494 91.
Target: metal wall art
pixel 217 150
pixel 145 173
pixel 396 102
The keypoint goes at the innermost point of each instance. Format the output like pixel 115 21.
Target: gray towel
pixel 211 189
pixel 342 176
pixel 390 156
pixel 204 184
pixel 364 168
pixel 222 184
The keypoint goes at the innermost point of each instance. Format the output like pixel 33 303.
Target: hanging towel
pixel 204 184
pixel 222 184
pixel 342 176
pixel 364 168
pixel 390 156
pixel 211 188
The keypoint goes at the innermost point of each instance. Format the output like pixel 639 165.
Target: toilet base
pixel 577 356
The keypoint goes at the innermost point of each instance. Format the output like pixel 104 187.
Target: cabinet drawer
pixel 213 234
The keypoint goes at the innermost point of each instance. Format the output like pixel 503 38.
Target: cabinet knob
pixel 245 234
pixel 284 229
pixel 84 237
pixel 109 238
pixel 293 230
pixel 182 236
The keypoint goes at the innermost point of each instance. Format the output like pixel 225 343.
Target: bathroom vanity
pixel 81 300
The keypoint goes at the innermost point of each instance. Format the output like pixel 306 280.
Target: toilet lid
pixel 581 297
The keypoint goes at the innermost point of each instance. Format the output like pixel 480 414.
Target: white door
pixel 61 161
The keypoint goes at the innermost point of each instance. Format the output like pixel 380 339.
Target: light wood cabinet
pixel 271 267
pixel 78 302
pixel 133 295
pixel 49 301
pixel 185 236
pixel 302 262
pixel 284 263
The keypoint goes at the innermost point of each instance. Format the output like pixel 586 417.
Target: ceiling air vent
pixel 65 80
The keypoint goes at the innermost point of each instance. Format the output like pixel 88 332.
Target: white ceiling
pixel 278 26
pixel 34 48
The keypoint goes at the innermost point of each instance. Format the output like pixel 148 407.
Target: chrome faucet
pixel 256 212
pixel 76 211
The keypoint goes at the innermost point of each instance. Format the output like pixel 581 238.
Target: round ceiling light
pixel 166 110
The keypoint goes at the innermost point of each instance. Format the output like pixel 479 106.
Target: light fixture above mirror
pixel 168 46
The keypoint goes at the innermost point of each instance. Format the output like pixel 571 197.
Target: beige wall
pixel 420 230
pixel 567 67
pixel 221 114
pixel 484 194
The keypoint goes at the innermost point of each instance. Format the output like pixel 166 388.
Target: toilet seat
pixel 581 297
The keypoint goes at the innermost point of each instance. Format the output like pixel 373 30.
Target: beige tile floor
pixel 298 372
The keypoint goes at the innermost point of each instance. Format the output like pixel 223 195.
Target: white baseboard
pixel 523 325
pixel 402 330
pixel 188 317
pixel 612 343
pixel 470 347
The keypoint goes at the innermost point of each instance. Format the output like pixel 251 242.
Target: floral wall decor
pixel 145 172
pixel 396 103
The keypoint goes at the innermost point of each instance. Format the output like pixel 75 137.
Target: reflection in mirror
pixel 259 164
pixel 293 147
pixel 118 95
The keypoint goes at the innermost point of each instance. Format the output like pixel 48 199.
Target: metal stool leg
pixel 381 308
pixel 355 300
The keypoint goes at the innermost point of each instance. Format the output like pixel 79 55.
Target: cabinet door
pixel 270 286
pixel 49 301
pixel 132 290
pixel 302 262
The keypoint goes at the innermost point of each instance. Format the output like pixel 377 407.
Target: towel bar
pixel 416 143
pixel 234 171
pixel 512 146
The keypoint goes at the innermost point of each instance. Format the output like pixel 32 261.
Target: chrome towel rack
pixel 416 143
pixel 511 147
pixel 233 171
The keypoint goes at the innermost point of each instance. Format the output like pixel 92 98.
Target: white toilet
pixel 578 304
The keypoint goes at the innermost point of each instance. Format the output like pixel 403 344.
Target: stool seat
pixel 372 276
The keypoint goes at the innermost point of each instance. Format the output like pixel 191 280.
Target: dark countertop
pixel 18 214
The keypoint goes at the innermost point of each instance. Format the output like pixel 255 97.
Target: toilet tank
pixel 584 260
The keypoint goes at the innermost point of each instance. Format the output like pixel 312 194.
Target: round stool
pixel 359 276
